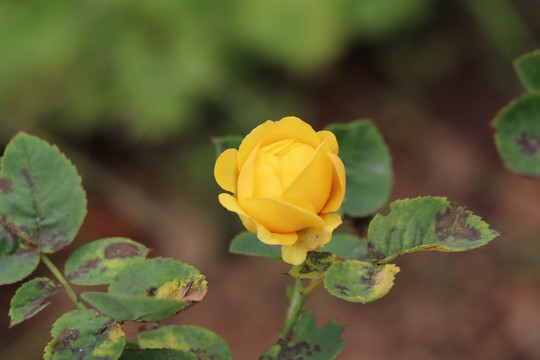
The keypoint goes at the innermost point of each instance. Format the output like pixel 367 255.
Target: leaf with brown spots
pixel 99 261
pixel 151 290
pixel 30 298
pixel 315 265
pixel 202 343
pixel 85 335
pixel 41 197
pixel 517 135
pixel 425 223
pixel 359 281
pixel 310 343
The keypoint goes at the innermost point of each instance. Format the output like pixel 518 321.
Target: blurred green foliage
pixel 146 68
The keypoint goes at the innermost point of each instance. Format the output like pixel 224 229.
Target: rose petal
pixel 226 170
pixel 275 239
pixel 316 237
pixel 329 140
pixel 230 203
pixel 279 216
pixel 245 184
pixel 294 255
pixel 337 193
pixel 314 182
pixel 271 131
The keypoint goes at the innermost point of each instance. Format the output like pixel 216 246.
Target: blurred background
pixel 133 91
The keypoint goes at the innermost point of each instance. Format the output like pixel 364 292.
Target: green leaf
pixel 247 243
pixel 517 135
pixel 315 265
pixel 226 142
pixel 99 261
pixel 528 69
pixel 8 242
pixel 17 266
pixel 30 299
pixel 347 247
pixel 163 278
pixel 85 335
pixel 200 342
pixel 133 307
pixel 310 343
pixel 155 354
pixel 358 281
pixel 367 165
pixel 425 223
pixel 150 290
pixel 41 200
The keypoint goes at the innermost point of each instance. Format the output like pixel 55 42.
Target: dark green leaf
pixel 247 243
pixel 41 200
pixel 367 165
pixel 200 342
pixel 359 281
pixel 315 265
pixel 517 135
pixel 226 142
pixel 347 247
pixel 310 343
pixel 99 261
pixel 30 298
pixel 85 335
pixel 133 307
pixel 155 354
pixel 528 70
pixel 17 266
pixel 425 223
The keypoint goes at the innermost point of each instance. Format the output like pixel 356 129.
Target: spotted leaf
pixel 202 343
pixel 517 135
pixel 310 343
pixel 315 265
pixel 359 281
pixel 31 298
pixel 41 198
pixel 99 261
pixel 85 335
pixel 425 223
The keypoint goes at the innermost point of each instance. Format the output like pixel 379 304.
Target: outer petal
pixel 246 186
pixel 271 131
pixel 316 237
pixel 314 182
pixel 330 141
pixel 230 203
pixel 275 239
pixel 294 255
pixel 279 216
pixel 226 170
pixel 337 193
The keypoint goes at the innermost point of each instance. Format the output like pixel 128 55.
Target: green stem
pixel 62 280
pixel 299 296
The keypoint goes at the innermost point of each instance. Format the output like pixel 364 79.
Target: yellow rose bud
pixel 287 182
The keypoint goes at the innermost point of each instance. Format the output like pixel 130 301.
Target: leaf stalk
pixel 69 290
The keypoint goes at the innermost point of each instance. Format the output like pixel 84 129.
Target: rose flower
pixel 287 182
